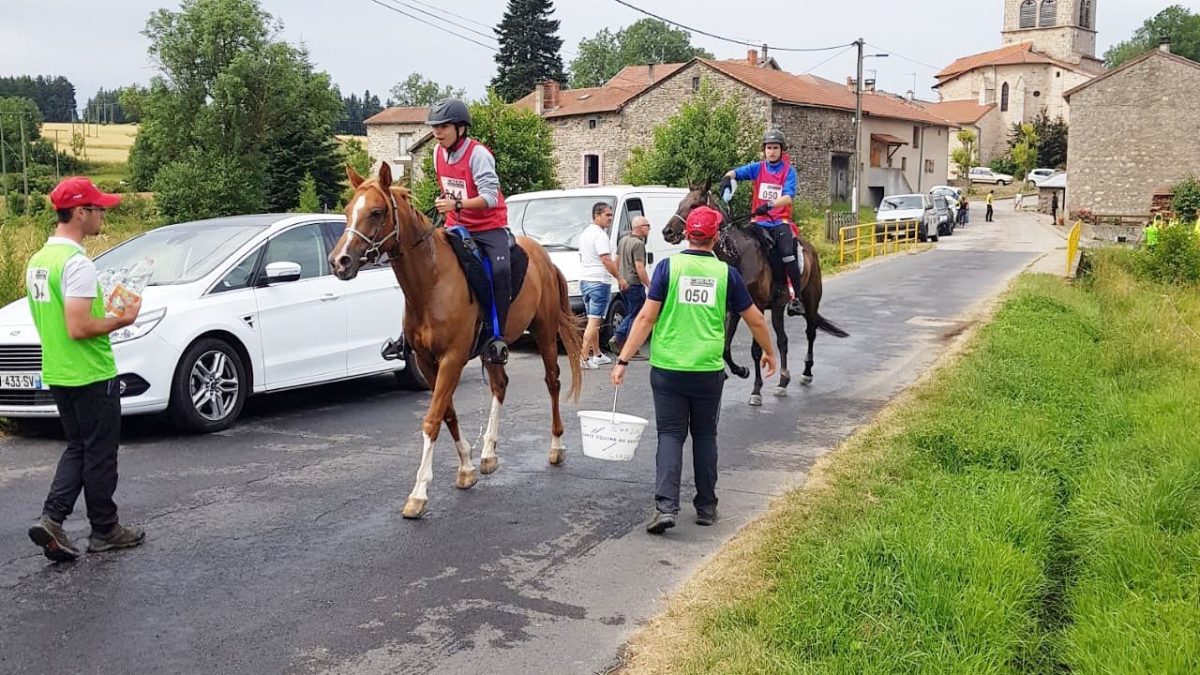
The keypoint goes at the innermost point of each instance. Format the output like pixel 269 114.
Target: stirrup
pixel 496 352
pixel 794 308
pixel 393 349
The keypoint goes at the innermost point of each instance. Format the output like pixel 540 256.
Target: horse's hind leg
pixel 498 380
pixel 756 353
pixel 547 342
pixel 810 331
pixel 781 340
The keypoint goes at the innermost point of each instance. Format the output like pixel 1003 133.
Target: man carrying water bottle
pixel 686 304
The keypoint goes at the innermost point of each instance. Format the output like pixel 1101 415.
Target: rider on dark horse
pixel 771 201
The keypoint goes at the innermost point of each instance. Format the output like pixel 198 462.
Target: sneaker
pixel 587 364
pixel 706 518
pixel 661 522
pixel 601 360
pixel 615 345
pixel 55 543
pixel 120 537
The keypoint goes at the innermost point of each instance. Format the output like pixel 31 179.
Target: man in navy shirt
pixel 771 200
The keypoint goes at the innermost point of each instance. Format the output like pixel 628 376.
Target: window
pixel 1085 14
pixel 242 275
pixel 591 169
pixel 1004 98
pixel 633 209
pixel 302 245
pixel 695 84
pixel 929 166
pixel 592 122
pixel 916 138
pixel 1049 14
pixel 402 141
pixel 1028 14
pixel 904 164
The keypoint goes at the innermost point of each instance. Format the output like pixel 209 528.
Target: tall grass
pixel 1036 510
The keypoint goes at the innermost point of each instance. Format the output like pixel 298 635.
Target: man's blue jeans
pixel 635 297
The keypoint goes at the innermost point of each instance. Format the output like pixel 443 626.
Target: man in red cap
pixel 686 305
pixel 78 366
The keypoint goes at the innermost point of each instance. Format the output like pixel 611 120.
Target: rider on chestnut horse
pixel 771 201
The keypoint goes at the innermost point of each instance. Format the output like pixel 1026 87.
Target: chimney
pixel 650 72
pixel 850 83
pixel 552 99
pixel 1164 44
pixel 869 86
pixel 752 57
pixel 909 95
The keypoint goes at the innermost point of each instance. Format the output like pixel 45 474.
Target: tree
pixel 709 135
pixel 232 99
pixel 415 90
pixel 1186 199
pixel 309 201
pixel 354 154
pixel 645 41
pixel 108 106
pixel 1176 22
pixel 529 46
pixel 965 156
pixel 1025 152
pixel 1052 139
pixel 53 96
pixel 520 140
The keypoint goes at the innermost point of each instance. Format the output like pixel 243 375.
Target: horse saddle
pixel 479 277
pixel 767 243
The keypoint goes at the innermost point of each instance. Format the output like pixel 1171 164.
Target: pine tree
pixel 529 48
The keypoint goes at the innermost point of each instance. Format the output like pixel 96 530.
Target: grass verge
pixel 1032 509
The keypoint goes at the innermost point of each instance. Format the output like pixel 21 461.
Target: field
pixel 105 144
pixel 1033 508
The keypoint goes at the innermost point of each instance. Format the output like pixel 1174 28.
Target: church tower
pixel 1062 29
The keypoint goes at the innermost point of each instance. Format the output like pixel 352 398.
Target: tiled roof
pixel 416 115
pixel 960 112
pixel 1008 55
pixel 631 81
pixel 1130 64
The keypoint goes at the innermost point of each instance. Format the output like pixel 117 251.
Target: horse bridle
pixel 375 247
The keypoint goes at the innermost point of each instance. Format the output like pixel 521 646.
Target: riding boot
pixel 393 349
pixel 791 265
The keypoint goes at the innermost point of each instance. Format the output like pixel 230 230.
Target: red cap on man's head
pixel 704 222
pixel 79 191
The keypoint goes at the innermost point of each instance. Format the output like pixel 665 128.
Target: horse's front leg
pixel 756 353
pixel 467 476
pixel 781 341
pixel 498 380
pixel 731 325
pixel 810 331
pixel 448 372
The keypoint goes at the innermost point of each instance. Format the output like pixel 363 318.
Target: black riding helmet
pixel 449 111
pixel 775 136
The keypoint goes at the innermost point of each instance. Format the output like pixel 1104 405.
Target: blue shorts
pixel 596 296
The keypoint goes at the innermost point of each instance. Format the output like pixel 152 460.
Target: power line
pixel 828 60
pixel 457 16
pixel 436 17
pixel 433 25
pixel 722 37
pixel 893 53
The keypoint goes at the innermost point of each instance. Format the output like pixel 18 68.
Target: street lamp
pixel 858 91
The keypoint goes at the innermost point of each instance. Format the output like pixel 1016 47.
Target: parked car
pixel 235 306
pixel 943 216
pixel 895 211
pixel 1037 176
pixel 953 196
pixel 982 174
pixel 556 218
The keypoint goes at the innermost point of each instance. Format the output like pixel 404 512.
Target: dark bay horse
pixel 441 318
pixel 740 247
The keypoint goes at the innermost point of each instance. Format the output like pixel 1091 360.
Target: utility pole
pixel 4 166
pixel 57 175
pixel 856 169
pixel 24 163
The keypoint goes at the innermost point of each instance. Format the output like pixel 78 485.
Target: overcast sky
pixel 365 46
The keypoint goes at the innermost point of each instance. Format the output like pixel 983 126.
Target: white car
pixel 953 197
pixel 1037 176
pixel 895 211
pixel 235 306
pixel 982 174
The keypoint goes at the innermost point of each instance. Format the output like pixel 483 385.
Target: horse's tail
pixel 829 327
pixel 570 332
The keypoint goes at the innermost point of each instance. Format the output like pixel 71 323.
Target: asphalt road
pixel 278 546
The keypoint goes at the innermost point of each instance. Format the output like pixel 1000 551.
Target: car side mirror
pixel 282 272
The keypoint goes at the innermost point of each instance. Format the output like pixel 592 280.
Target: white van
pixel 556 218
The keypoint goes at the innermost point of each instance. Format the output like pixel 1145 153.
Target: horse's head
pixel 698 195
pixel 373 220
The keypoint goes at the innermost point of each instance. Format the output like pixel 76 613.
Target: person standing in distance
pixel 78 365
pixel 686 305
pixel 596 270
pixel 631 255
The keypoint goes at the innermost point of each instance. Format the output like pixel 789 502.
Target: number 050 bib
pixel 768 192
pixel 697 291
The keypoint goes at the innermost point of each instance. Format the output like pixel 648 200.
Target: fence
pixel 835 221
pixel 874 239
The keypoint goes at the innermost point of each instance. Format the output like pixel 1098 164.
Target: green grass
pixel 1036 509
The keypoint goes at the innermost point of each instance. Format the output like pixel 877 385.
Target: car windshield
pixel 902 202
pixel 558 221
pixel 181 253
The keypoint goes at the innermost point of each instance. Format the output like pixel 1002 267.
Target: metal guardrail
pixel 874 239
pixel 1073 244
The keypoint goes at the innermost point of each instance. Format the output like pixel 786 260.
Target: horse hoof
pixel 780 391
pixel 488 465
pixel 557 456
pixel 755 400
pixel 742 372
pixel 806 379
pixel 466 479
pixel 414 508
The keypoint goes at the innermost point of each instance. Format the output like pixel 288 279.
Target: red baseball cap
pixel 703 221
pixel 79 191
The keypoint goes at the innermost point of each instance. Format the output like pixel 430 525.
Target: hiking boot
pixel 55 543
pixel 120 537
pixel 661 522
pixel 496 352
pixel 392 349
pixel 794 308
pixel 706 518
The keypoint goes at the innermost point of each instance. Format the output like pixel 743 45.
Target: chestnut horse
pixel 442 318
pixel 740 248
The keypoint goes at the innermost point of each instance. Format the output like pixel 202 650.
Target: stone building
pixel 1049 47
pixel 392 136
pixel 971 116
pixel 1132 133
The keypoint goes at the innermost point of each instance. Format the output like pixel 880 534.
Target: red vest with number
pixel 779 213
pixel 456 181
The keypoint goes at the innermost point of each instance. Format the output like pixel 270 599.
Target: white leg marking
pixel 556 443
pixel 464 455
pixel 425 472
pixel 492 435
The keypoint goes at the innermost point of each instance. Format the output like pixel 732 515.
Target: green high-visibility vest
pixel 65 362
pixel 690 333
pixel 1151 235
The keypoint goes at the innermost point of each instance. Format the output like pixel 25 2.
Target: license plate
pixel 21 381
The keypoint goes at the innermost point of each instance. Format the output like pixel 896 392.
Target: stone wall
pixel 1131 133
pixel 575 137
pixel 815 136
pixel 383 144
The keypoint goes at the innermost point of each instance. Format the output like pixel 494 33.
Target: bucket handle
pixel 616 390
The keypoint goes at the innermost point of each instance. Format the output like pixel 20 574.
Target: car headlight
pixel 144 324
pixel 573 288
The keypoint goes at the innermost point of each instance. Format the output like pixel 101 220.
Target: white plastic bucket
pixel 610 436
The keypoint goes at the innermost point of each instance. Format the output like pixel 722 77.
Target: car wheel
pixel 922 233
pixel 1002 182
pixel 616 314
pixel 411 378
pixel 934 238
pixel 209 388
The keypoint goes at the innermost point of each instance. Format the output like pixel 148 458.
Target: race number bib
pixel 455 188
pixel 698 291
pixel 37 280
pixel 768 192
